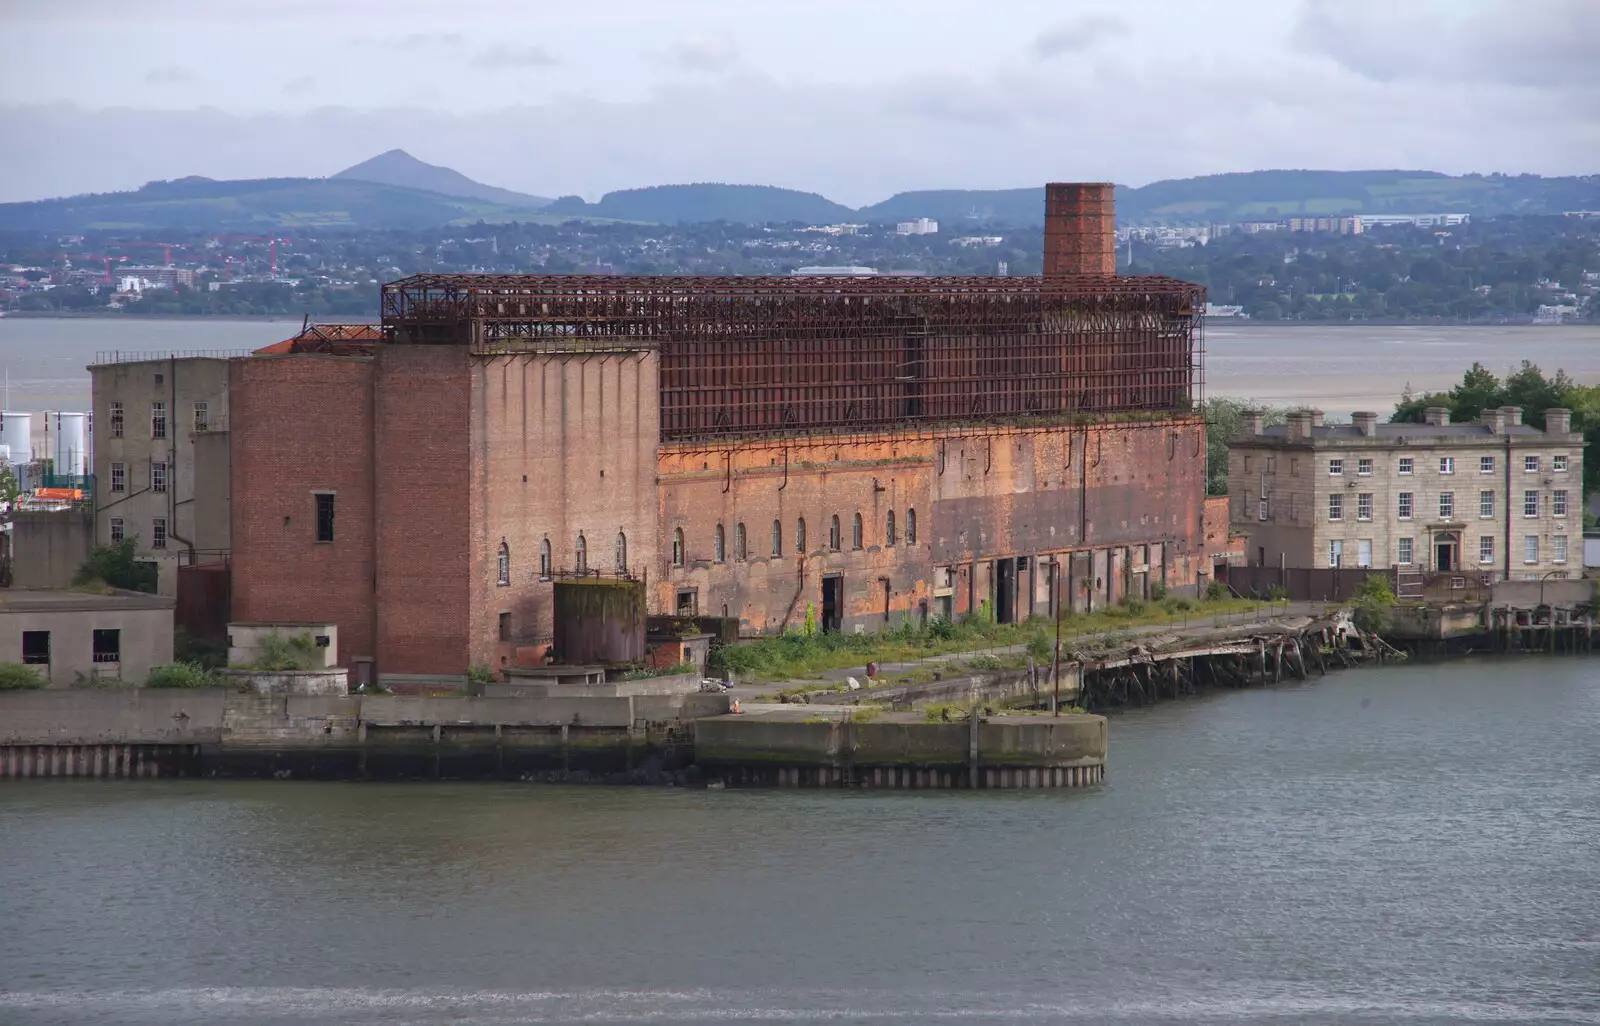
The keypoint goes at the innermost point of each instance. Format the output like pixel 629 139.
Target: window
pixel 800 536
pixel 1558 503
pixel 1364 468
pixel 1447 505
pixel 1335 551
pixel 888 528
pixel 1336 507
pixel 622 553
pixel 777 538
pixel 1364 506
pixel 1558 549
pixel 158 477
pixel 116 529
pixel 1530 464
pixel 1404 507
pixel 856 532
pixel 544 560
pixel 582 564
pixel 1403 552
pixel 202 417
pixel 505 626
pixel 158 420
pixel 116 420
pixel 1530 503
pixel 911 527
pixel 1261 509
pixel 1447 464
pixel 719 543
pixel 835 537
pixel 1486 548
pixel 1364 552
pixel 688 602
pixel 1485 464
pixel 1530 548
pixel 36 648
pixel 1558 464
pixel 324 510
pixel 158 533
pixel 738 543
pixel 1272 465
pixel 677 547
pixel 1336 468
pixel 503 575
pixel 1405 465
pixel 1486 504
pixel 119 477
pixel 107 644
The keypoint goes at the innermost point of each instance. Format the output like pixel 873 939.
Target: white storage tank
pixel 16 432
pixel 69 442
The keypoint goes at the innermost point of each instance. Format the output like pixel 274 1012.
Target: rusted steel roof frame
pixel 742 356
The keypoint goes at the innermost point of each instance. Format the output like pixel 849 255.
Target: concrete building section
pixel 48 548
pixel 1497 497
pixel 151 483
pixel 70 636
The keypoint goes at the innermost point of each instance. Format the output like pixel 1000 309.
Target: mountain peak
pixel 399 168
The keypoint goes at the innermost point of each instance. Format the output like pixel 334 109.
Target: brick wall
pixel 302 424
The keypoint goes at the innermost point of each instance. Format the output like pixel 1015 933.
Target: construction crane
pixel 166 248
pixel 271 241
pixel 69 257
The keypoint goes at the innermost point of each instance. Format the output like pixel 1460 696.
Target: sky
pixel 855 99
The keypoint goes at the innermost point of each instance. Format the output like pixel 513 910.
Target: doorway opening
pixel 1005 591
pixel 832 603
pixel 1446 555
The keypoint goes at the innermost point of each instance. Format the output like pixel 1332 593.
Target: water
pixel 1411 845
pixel 1338 368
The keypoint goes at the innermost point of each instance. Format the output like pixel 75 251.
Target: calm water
pixel 1338 368
pixel 1415 845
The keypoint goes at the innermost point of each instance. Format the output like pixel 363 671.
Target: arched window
pixel 504 579
pixel 911 527
pixel 677 547
pixel 719 542
pixel 855 532
pixel 800 536
pixel 739 553
pixel 888 528
pixel 583 555
pixel 777 538
pixel 544 560
pixel 622 552
pixel 834 539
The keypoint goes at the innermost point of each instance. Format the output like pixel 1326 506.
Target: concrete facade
pixel 48 548
pixel 67 636
pixel 1435 496
pixel 167 491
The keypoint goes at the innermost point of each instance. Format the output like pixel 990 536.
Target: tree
pixel 1371 604
pixel 115 565
pixel 1223 419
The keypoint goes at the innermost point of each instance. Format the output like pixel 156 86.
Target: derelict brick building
pixel 867 448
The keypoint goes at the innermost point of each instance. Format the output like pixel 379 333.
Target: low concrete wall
pixel 1434 623
pixel 988 687
pixel 1553 592
pixel 290 682
pixel 135 716
pixel 676 684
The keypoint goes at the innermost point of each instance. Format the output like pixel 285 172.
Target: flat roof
pixel 66 600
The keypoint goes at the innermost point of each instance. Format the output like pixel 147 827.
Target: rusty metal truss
pixel 743 356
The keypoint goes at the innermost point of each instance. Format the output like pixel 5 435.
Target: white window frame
pixel 1335 552
pixel 1261 511
pixel 1447 505
pixel 1558 549
pixel 1364 506
pixel 1530 549
pixel 119 476
pixel 1405 505
pixel 1485 464
pixel 1336 468
pixel 117 530
pixel 158 476
pixel 1447 464
pixel 1530 504
pixel 1486 504
pixel 1406 463
pixel 1558 463
pixel 1485 549
pixel 1364 553
pixel 1404 551
pixel 1335 507
pixel 158 532
pixel 1530 464
pixel 1558 502
pixel 1364 467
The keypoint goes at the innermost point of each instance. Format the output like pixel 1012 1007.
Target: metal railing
pixel 105 357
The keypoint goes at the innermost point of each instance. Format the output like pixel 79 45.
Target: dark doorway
pixel 1444 547
pixel 887 594
pixel 36 648
pixel 1005 591
pixel 832 603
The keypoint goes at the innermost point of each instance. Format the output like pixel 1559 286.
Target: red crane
pixel 108 261
pixel 166 248
pixel 271 241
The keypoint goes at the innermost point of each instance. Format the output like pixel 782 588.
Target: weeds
pixel 187 676
pixel 17 677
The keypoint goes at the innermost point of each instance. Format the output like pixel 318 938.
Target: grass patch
pixel 182 676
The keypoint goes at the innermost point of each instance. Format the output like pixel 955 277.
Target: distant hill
pixel 397 167
pixel 203 204
pixel 1263 195
pixel 708 201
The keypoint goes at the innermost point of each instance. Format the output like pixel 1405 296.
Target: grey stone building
pixel 1496 497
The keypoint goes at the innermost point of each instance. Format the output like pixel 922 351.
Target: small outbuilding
pixel 72 636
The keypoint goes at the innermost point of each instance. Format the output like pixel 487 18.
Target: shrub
pixel 1042 648
pixel 1276 594
pixel 280 653
pixel 1158 592
pixel 181 675
pixel 1370 606
pixel 478 673
pixel 208 652
pixel 941 629
pixel 17 677
pixel 1135 607
pixel 1216 591
pixel 983 662
pixel 810 628
pixel 115 565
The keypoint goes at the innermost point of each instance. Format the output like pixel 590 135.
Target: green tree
pixel 1223 420
pixel 115 565
pixel 1370 608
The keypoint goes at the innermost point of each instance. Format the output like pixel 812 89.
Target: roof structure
pixel 337 339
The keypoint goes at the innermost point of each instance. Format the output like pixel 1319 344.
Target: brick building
pixel 869 449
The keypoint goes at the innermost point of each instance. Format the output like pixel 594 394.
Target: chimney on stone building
pixel 1494 420
pixel 1557 421
pixel 1366 422
pixel 1513 415
pixel 1316 418
pixel 1299 424
pixel 1438 416
pixel 1079 229
pixel 1250 423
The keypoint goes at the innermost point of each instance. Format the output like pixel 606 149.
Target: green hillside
pixel 708 201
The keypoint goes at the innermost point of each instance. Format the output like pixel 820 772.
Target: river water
pixel 1339 368
pixel 1404 845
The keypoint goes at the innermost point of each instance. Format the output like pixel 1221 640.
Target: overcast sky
pixel 856 99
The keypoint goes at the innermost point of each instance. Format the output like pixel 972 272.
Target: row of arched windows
pixel 719 538
pixel 580 560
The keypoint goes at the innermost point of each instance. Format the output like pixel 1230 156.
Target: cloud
pixel 502 57
pixel 427 40
pixel 709 54
pixel 301 86
pixel 170 75
pixel 1076 36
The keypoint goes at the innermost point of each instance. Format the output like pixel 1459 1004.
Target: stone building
pixel 1496 497
pixel 70 637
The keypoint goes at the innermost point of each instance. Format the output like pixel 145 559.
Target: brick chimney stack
pixel 1079 229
